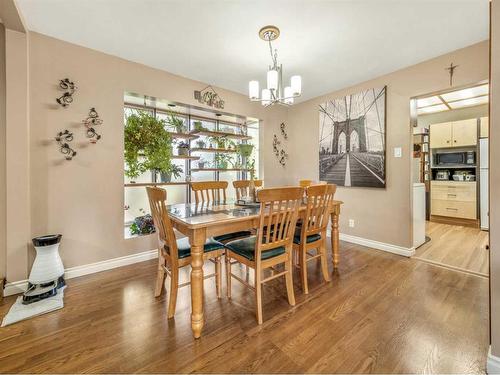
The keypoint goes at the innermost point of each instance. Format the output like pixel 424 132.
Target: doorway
pixel 450 178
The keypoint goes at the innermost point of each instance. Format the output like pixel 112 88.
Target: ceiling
pixel 456 99
pixel 331 44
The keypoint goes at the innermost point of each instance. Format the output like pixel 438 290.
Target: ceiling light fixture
pixel 275 93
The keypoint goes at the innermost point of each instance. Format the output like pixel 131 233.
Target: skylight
pixel 468 97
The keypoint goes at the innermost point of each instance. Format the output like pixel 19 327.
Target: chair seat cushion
pixel 184 249
pixel 232 236
pixel 246 248
pixel 311 238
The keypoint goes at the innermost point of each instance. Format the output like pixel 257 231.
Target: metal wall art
pixel 90 123
pixel 209 97
pixel 69 88
pixel 283 130
pixel 281 155
pixel 63 138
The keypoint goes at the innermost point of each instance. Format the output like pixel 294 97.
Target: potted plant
pixel 142 224
pixel 244 149
pixel 177 123
pixel 175 172
pixel 222 160
pixel 148 145
pixel 200 143
pixel 183 149
pixel 201 164
pixel 198 126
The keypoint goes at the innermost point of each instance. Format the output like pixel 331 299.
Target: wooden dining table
pixel 201 221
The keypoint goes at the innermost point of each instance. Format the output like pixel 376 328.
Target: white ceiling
pixel 332 44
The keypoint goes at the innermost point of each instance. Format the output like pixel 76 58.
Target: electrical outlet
pixel 351 223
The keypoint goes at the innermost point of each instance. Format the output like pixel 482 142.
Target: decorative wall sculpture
pixel 280 154
pixel 69 88
pixel 209 97
pixel 352 139
pixel 90 123
pixel 63 138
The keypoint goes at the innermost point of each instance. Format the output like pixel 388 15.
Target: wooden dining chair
pixel 279 209
pixel 174 254
pixel 311 235
pixel 242 187
pixel 305 183
pixel 209 191
pixel 214 192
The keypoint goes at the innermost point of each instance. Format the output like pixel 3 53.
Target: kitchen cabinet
pixel 484 127
pixel 454 134
pixel 454 199
pixel 441 135
pixel 464 133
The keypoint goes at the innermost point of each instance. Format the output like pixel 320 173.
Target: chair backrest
pixel 166 237
pixel 305 183
pixel 319 203
pixel 242 187
pixel 279 208
pixel 209 191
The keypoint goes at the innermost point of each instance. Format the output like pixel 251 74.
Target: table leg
pixel 197 240
pixel 335 237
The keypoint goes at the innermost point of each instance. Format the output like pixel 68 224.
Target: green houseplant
pixel 148 146
pixel 176 122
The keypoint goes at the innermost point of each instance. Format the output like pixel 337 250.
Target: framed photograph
pixel 352 139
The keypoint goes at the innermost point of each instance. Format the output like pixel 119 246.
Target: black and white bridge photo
pixel 352 139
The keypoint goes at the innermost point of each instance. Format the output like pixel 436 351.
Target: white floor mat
pixel 19 312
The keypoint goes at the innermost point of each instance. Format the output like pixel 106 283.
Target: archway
pixel 354 141
pixel 342 143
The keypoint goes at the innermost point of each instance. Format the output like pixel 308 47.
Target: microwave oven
pixel 455 158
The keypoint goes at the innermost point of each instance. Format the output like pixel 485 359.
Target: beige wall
pixel 3 254
pixel 382 214
pixel 495 179
pixel 83 198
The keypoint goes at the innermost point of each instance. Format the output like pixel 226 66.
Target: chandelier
pixel 275 93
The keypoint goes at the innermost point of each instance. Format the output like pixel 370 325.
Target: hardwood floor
pixel 456 246
pixel 381 313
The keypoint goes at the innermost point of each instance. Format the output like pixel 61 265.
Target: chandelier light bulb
pixel 288 95
pixel 253 90
pixel 296 83
pixel 266 97
pixel 272 79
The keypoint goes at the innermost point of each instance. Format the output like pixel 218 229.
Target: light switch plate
pixel 398 152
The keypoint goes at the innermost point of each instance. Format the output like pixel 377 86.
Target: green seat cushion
pixel 246 248
pixel 232 236
pixel 309 239
pixel 184 249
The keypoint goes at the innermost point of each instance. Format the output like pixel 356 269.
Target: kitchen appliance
pixel 483 183
pixel 444 158
pixel 443 175
pixel 463 176
pixel 47 273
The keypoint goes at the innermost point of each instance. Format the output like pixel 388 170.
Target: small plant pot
pixel 201 164
pixel 200 144
pixel 183 151
pixel 166 176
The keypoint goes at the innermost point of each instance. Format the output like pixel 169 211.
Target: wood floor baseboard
pixel 472 223
pixel 20 286
pixel 395 249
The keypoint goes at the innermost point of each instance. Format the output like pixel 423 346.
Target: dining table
pixel 201 221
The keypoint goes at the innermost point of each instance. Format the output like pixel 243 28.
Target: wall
pixel 382 215
pixel 495 181
pixel 83 199
pixel 3 255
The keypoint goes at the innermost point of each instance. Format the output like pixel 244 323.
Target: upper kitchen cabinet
pixel 464 133
pixel 484 127
pixel 454 134
pixel 441 135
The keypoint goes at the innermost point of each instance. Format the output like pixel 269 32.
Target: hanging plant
pixel 148 146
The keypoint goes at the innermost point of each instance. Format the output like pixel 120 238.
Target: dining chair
pixel 174 254
pixel 267 249
pixel 214 192
pixel 242 187
pixel 311 235
pixel 305 183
